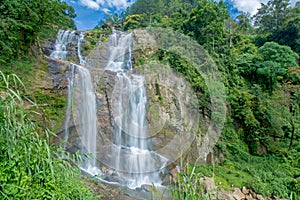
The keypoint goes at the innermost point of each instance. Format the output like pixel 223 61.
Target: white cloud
pixel 106 4
pixel 90 4
pixel 120 4
pixel 251 6
pixel 105 10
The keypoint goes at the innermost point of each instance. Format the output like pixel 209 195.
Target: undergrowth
pixel 269 174
pixel 48 111
pixel 30 167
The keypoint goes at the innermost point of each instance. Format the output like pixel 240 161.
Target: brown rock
pixel 238 195
pixel 167 180
pixel 245 190
pixel 147 188
pixel 174 174
pixel 208 184
pixel 253 194
pixel 249 197
pixel 259 197
pixel 222 195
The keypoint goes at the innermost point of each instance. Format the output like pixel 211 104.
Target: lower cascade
pixel 85 116
pixel 129 159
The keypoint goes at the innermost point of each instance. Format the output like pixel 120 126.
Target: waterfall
pixel 130 153
pixel 69 106
pixel 87 117
pixel 81 95
pixel 64 38
pixel 80 57
pixel 120 52
pixel 133 158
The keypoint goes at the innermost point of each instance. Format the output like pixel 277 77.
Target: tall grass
pixel 189 186
pixel 29 167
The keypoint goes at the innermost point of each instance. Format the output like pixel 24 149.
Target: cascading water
pixel 133 160
pixel 80 57
pixel 64 38
pixel 69 105
pixel 80 92
pixel 87 118
pixel 131 155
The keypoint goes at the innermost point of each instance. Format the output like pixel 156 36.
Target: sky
pixel 90 12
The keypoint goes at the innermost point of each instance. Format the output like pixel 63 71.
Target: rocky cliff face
pixel 174 121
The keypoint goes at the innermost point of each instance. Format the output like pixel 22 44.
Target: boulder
pixel 237 194
pixel 259 197
pixel 245 190
pixel 249 197
pixel 208 184
pixel 148 188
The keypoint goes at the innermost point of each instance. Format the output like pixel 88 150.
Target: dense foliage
pixel 260 66
pixel 23 22
pixel 30 167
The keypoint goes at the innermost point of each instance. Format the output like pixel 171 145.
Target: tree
pixel 244 22
pixel 271 16
pixel 21 23
pixel 206 23
pixel 134 21
pixel 289 33
pixel 274 63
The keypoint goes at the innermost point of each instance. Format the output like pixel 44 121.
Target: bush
pixel 30 167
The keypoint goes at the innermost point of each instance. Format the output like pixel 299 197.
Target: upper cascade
pixel 64 38
pixel 63 42
pixel 120 52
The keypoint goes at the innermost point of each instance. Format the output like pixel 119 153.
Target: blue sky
pixel 90 12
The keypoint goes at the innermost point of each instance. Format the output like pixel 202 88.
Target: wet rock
pixel 113 178
pixel 48 46
pixel 147 188
pixel 166 180
pixel 106 171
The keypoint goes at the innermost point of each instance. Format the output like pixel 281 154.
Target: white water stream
pixel 133 158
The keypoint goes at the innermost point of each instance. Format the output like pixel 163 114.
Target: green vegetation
pixel 92 37
pixel 49 109
pixel 259 64
pixel 189 185
pixel 22 22
pixel 30 167
pixel 260 67
pixel 268 174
